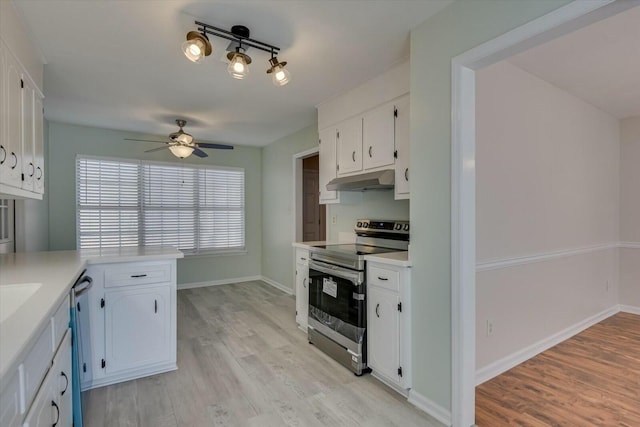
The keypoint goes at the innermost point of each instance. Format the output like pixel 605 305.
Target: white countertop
pixel 307 245
pixel 400 259
pixel 56 271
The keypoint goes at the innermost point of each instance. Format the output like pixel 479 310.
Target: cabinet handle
pixel 304 282
pixel 406 174
pixel 33 169
pixel 353 156
pixel 66 386
pixel 15 158
pixel 55 405
pixel 303 259
pixel 4 154
pixel 378 308
pixel 155 302
pixel 384 279
pixel 370 148
pixel 40 176
pixel 136 276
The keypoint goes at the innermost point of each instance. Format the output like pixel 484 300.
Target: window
pixel 132 203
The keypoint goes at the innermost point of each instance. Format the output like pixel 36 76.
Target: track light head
pixel 279 75
pixel 238 64
pixel 196 47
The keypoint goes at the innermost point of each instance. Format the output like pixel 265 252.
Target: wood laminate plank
pixel 242 361
pixel 591 379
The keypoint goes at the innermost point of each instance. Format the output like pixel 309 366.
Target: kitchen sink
pixel 13 296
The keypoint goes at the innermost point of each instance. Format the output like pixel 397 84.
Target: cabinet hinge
pixel 103 364
pixel 395 154
pixel 102 303
pixel 337 134
pixel 399 306
pixel 22 83
pixel 337 166
pixel 395 112
pixel 319 141
pixel 84 367
pixel 23 177
pixel 400 371
pixel 78 306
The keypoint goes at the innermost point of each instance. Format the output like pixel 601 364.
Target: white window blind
pixel 131 203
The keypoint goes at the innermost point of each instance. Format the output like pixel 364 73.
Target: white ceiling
pixel 599 63
pixel 118 64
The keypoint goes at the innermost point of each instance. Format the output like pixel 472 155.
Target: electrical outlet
pixel 334 219
pixel 489 328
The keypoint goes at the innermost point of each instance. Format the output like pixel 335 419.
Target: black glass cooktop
pixel 355 249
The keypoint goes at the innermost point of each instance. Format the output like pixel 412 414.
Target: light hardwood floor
pixel 592 379
pixel 242 361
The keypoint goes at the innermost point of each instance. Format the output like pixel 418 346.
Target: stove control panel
pixel 364 226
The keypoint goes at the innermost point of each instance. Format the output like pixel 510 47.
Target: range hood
pixel 380 180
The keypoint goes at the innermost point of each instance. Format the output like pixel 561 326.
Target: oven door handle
pixel 356 277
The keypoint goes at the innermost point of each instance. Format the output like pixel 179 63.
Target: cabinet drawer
pixel 60 323
pixel 136 274
pixel 9 403
pixel 302 256
pixel 388 279
pixel 34 367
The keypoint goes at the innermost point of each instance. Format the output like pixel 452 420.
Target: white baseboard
pixel 498 367
pixel 277 285
pixel 430 407
pixel 218 282
pixel 629 309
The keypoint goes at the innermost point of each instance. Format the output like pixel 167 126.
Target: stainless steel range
pixel 337 290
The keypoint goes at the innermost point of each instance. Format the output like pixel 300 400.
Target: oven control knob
pixel 359 224
pixel 365 225
pixel 406 227
pixel 397 227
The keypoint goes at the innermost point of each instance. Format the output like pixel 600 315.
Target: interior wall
pixel 458 28
pixel 67 141
pixel 278 215
pixel 630 212
pixel 547 180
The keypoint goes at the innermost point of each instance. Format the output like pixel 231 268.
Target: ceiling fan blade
pixel 145 140
pixel 157 149
pixel 198 152
pixel 216 146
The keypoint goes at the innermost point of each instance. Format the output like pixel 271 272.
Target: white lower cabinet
pixel 302 287
pixel 389 324
pixel 52 405
pixel 131 315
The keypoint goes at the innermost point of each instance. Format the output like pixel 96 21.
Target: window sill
pixel 209 254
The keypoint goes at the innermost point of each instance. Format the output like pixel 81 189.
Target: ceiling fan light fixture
pixel 238 64
pixel 279 75
pixel 181 151
pixel 196 47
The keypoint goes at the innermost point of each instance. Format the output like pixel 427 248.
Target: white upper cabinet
pixel 21 131
pixel 349 139
pixel 402 148
pixel 327 158
pixel 378 137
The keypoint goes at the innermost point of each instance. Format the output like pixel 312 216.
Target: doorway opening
pixel 310 216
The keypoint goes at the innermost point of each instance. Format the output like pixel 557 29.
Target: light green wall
pixel 66 141
pixel 277 203
pixel 367 204
pixel 458 28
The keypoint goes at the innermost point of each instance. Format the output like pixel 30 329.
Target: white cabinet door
pixel 62 382
pixel 44 410
pixel 402 148
pixel 349 142
pixel 4 147
pixel 28 160
pixel 383 331
pixel 302 294
pixel 9 401
pixel 137 328
pixel 38 143
pixel 327 159
pixel 13 117
pixel 378 137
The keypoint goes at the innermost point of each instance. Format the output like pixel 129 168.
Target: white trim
pixel 570 17
pixel 543 256
pixel 500 366
pixel 629 245
pixel 277 285
pixel 430 407
pixel 219 282
pixel 629 309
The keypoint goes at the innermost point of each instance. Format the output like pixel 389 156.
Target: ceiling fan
pixel 182 145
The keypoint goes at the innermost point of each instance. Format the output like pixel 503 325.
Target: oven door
pixel 337 300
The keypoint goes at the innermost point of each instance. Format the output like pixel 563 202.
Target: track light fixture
pixel 198 46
